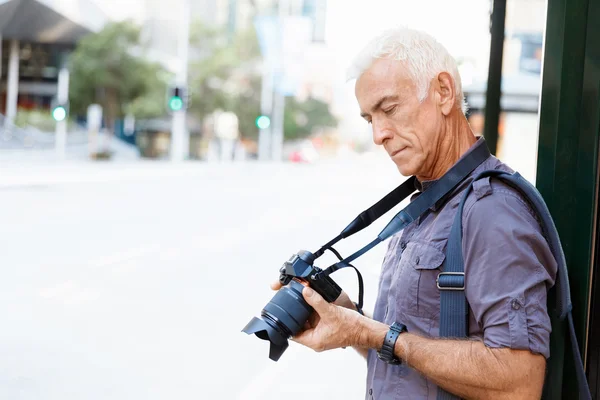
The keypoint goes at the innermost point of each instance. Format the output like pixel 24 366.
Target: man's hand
pixel 343 303
pixel 330 326
pixel 343 300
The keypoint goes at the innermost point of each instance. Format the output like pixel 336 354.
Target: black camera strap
pixel 371 214
pixel 427 199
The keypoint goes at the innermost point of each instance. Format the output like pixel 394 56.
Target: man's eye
pixel 390 110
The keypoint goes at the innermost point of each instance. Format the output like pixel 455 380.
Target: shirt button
pixel 418 260
pixel 515 304
pixel 403 245
pixel 370 391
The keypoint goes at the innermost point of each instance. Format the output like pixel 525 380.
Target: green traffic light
pixel 59 113
pixel 263 122
pixel 175 103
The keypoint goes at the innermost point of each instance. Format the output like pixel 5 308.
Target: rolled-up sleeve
pixel 508 270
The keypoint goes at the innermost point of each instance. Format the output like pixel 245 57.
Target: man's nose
pixel 381 133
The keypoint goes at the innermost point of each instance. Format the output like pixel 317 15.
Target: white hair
pixel 423 56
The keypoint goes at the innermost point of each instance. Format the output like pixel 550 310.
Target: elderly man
pixel 409 90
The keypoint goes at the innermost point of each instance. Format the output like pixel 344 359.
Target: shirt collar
pixel 423 186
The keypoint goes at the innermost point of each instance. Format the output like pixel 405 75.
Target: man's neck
pixel 456 141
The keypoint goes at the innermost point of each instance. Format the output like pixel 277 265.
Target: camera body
pixel 300 267
pixel 287 312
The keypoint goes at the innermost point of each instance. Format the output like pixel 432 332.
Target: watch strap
pixel 386 353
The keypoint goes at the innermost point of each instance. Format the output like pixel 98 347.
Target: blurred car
pixel 303 152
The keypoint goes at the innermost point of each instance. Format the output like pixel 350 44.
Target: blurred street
pixel 134 280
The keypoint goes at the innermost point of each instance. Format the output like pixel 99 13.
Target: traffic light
pixel 263 122
pixel 59 110
pixel 177 98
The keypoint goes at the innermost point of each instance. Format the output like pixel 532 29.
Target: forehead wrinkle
pixel 384 80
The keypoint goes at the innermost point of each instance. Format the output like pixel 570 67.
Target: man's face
pixel 407 129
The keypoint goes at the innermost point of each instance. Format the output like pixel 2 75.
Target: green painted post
pixel 567 161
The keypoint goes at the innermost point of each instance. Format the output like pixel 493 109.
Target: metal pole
pixel 494 81
pixel 12 82
pixel 279 98
pixel 266 108
pixel 231 19
pixel 62 97
pixel 277 137
pixel 180 141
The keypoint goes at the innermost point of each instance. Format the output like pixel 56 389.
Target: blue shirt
pixel 508 270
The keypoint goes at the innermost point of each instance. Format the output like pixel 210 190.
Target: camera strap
pixel 371 214
pixel 427 199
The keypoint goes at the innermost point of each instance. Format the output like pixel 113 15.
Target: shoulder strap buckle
pixel 450 281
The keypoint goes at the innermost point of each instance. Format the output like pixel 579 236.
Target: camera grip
pixel 326 287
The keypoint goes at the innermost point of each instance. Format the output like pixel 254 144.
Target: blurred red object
pixel 317 142
pixel 297 157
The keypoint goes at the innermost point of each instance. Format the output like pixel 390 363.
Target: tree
pixel 109 68
pixel 225 74
pixel 302 118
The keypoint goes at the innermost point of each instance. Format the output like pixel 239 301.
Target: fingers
pixel 276 285
pixel 315 300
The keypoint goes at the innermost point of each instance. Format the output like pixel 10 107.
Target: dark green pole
pixel 567 172
pixel 493 92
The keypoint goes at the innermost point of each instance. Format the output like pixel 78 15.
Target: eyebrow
pixel 379 103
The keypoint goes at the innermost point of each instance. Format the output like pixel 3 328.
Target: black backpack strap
pixel 454 322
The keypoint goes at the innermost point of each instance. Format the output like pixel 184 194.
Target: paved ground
pixel 133 281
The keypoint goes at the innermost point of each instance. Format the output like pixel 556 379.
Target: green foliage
pixel 224 74
pixel 40 119
pixel 151 101
pixel 109 68
pixel 247 107
pixel 301 119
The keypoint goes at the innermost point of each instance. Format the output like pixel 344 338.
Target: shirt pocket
pixel 419 267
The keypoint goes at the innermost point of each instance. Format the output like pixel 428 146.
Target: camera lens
pixel 283 317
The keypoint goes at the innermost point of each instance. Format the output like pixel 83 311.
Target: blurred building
pixel 36 36
pixel 159 17
pixel 522 60
pixel 520 86
pixel 160 20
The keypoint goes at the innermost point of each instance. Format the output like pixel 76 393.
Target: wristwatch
pixel 386 354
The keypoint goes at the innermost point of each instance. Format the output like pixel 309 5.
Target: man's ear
pixel 446 93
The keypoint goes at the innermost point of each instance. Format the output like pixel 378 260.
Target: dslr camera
pixel 287 312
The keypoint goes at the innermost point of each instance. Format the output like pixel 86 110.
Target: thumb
pixel 315 300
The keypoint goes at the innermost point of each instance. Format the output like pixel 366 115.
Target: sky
pixel 460 25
